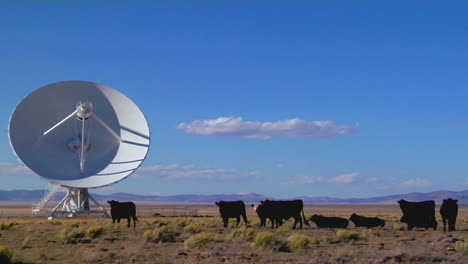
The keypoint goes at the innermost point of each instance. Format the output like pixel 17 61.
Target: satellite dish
pixel 79 135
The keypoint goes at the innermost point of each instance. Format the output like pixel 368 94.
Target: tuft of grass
pixel 95 231
pixel 264 240
pixel 6 255
pixel 283 229
pixel 209 222
pixel 193 228
pixel 182 223
pixel 4 226
pixel 199 240
pixel 75 225
pixel 148 235
pixel 462 247
pixel 344 235
pixel 243 233
pixel 110 254
pixel 368 234
pixel 398 227
pixel 298 241
pixel 161 234
pixel 26 242
pixel 55 222
pixel 70 236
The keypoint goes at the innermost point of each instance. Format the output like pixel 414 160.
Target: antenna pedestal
pixel 75 202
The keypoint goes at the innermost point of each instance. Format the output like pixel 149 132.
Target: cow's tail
pixel 303 216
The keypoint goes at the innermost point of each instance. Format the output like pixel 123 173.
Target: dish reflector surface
pixel 116 133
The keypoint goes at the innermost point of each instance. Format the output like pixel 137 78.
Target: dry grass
pixel 36 240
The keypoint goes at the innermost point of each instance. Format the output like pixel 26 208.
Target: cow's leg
pixel 134 221
pixel 113 220
pixel 118 220
pixel 225 221
pixel 238 221
pixel 128 221
pixel 451 224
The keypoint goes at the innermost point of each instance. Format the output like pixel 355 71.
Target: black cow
pixel 123 210
pixel 264 212
pixel 418 214
pixel 368 222
pixel 276 211
pixel 234 209
pixel 449 212
pixel 331 222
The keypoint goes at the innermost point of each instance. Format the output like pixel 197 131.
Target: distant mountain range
pixel 34 196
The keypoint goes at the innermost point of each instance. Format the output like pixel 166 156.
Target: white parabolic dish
pixel 55 156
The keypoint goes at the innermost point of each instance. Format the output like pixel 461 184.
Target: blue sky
pixel 341 99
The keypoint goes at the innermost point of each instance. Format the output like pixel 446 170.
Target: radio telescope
pixel 78 135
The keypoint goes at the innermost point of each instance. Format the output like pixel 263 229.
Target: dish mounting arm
pixel 61 122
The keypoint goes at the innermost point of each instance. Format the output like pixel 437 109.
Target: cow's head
pixel 255 206
pixel 113 202
pixel 353 216
pixel 314 217
pixel 217 203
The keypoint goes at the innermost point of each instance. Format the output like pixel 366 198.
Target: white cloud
pixel 305 180
pixel 341 179
pixel 418 182
pixel 238 127
pixel 345 178
pixel 176 171
pixel 280 165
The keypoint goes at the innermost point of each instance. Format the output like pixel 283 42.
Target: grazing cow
pixel 331 222
pixel 263 213
pixel 234 209
pixel 276 211
pixel 123 210
pixel 418 214
pixel 368 222
pixel 449 212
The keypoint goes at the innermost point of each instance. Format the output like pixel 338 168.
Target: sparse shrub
pixel 244 233
pixel 462 247
pixel 148 235
pixel 6 255
pixel 55 222
pixel 26 241
pixel 209 222
pixel 70 236
pixel 95 231
pixel 283 229
pixel 264 240
pixel 4 226
pixel 199 240
pixel 75 225
pixel 164 234
pixel 193 228
pixel 368 233
pixel 298 241
pixel 398 227
pixel 344 235
pixel 110 254
pixel 182 223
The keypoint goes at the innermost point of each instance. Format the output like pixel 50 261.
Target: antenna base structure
pixel 76 202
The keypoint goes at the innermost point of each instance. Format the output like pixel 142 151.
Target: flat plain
pixel 176 236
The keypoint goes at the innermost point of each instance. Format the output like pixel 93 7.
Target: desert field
pixel 194 234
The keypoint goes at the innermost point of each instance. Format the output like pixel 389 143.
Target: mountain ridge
pixel 36 195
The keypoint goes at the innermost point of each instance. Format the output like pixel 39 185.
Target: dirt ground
pixel 202 239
